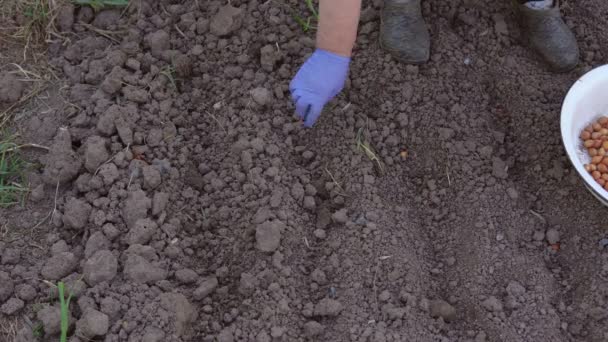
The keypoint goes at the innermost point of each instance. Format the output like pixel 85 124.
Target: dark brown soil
pixel 192 206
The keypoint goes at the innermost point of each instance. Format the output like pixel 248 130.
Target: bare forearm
pixel 338 21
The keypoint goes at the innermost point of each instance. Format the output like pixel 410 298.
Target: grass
pixel 306 23
pixel 169 72
pixel 101 4
pixel 11 173
pixel 65 311
pixel 364 146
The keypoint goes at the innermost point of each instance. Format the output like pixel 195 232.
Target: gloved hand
pixel 318 81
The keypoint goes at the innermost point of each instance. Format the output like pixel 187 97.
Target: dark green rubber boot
pixel 549 36
pixel 403 32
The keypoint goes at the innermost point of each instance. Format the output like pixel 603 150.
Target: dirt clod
pixel 62 164
pixel 313 328
pixel 76 214
pixel 96 153
pixel 152 177
pixel 141 232
pixel 492 304
pixel 440 308
pixel 261 96
pixel 11 88
pixel 328 307
pixel 12 306
pixel 206 287
pixel 181 309
pixel 136 207
pixel 59 266
pixel 93 323
pixel 227 20
pixel 186 276
pixel 140 270
pixel 50 316
pixel 552 236
pixel 101 266
pixel 268 235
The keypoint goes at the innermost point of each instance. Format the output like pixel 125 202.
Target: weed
pixel 11 173
pixel 38 330
pixel 64 307
pixel 100 4
pixel 364 146
pixel 169 72
pixel 306 24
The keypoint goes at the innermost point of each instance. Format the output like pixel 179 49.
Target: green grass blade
pixel 64 307
pixel 311 7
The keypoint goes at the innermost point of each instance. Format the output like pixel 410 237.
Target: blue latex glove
pixel 318 81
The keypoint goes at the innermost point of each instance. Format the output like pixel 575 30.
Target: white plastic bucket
pixel 586 101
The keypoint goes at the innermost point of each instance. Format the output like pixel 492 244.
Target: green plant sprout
pixel 64 306
pixel 11 173
pixel 306 24
pixel 101 4
pixel 364 146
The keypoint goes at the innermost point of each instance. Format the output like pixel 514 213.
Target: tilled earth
pixel 181 201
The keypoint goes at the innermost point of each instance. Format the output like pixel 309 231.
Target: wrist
pixel 342 52
pixel 332 56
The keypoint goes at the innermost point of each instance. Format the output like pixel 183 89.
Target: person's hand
pixel 318 81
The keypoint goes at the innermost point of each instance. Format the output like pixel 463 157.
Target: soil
pixel 181 200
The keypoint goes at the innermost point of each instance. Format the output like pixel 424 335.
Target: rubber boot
pixel 403 32
pixel 549 36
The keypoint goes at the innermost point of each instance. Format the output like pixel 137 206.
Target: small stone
pixel 93 323
pixel 552 236
pixel 268 235
pixel 101 266
pixel 313 328
pixel 328 307
pixel 206 287
pixel 59 266
pixel 340 216
pixel 603 243
pixel 186 276
pixel 492 304
pixel 441 308
pixel 12 306
pixel 76 214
